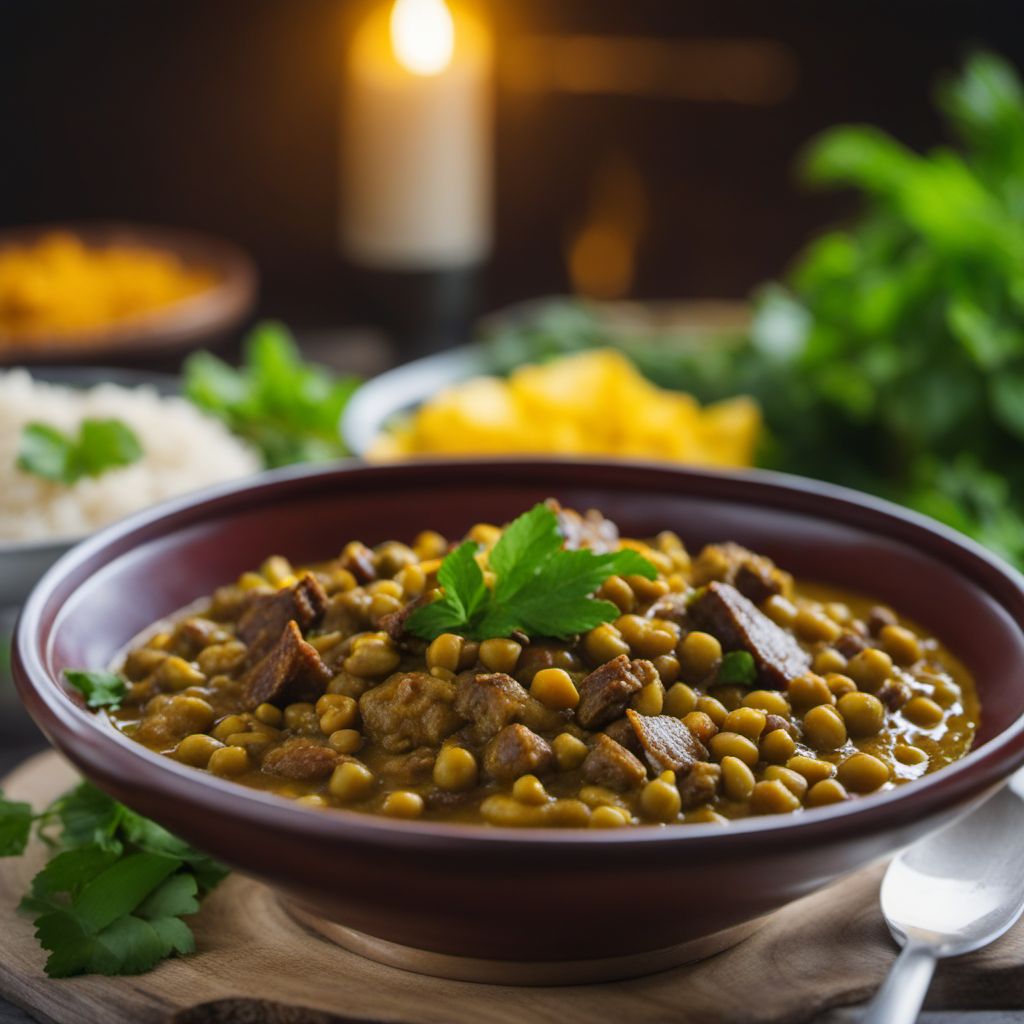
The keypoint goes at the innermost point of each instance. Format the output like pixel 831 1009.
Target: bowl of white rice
pixel 183 450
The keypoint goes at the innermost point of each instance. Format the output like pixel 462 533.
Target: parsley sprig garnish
pixel 100 445
pixel 100 689
pixel 112 896
pixel 540 588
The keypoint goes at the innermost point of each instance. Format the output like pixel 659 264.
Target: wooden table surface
pixel 14 751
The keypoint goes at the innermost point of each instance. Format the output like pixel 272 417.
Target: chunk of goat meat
pixel 393 623
pixel 724 612
pixel 517 751
pixel 756 577
pixel 774 722
pixel 409 709
pixel 668 743
pixel 610 764
pixel 540 718
pixel 894 693
pixel 699 785
pixel 672 606
pixel 409 769
pixel 262 622
pixel 622 731
pixel 290 671
pixel 605 693
pixel 590 530
pixel 301 759
pixel 358 559
pixel 490 701
pixel 850 643
pixel 879 617
pixel 197 632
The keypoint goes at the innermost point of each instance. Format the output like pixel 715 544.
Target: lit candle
pixel 416 140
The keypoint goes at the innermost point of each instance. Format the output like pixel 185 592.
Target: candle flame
pixel 422 35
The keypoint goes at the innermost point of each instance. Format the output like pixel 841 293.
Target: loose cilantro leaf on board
pixel 100 689
pixel 738 667
pixel 539 587
pixel 15 825
pixel 100 445
pixel 112 897
pixel 287 408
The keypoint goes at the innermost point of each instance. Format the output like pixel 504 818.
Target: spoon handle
pixel 899 999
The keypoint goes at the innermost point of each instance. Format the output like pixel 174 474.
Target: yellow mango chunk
pixel 593 403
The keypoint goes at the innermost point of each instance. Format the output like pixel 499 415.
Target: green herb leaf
pixel 525 545
pixel 540 588
pixel 68 941
pixel 176 897
pixel 104 444
pixel 100 445
pixel 287 408
pixel 87 815
pixel 128 945
pixel 110 901
pixel 462 598
pixel 738 667
pixel 70 871
pixel 100 689
pixel 44 451
pixel 120 888
pixel 15 825
pixel 175 936
pixel 1007 395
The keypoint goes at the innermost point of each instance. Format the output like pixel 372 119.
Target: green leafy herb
pixel 891 358
pixel 287 408
pixel 100 689
pixel 100 445
pixel 738 667
pixel 15 825
pixel 112 896
pixel 540 588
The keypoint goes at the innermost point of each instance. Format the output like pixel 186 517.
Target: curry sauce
pixel 722 688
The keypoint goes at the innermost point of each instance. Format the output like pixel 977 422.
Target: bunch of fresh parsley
pixel 99 445
pixel 891 358
pixel 112 896
pixel 540 588
pixel 285 407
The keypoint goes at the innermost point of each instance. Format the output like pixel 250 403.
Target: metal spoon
pixel 948 894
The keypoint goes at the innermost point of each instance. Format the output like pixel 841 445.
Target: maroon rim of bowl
pixel 108 754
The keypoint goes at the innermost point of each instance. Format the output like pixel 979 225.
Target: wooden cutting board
pixel 258 966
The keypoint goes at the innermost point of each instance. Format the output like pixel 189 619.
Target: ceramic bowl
pixel 22 563
pixel 657 325
pixel 476 901
pixel 203 319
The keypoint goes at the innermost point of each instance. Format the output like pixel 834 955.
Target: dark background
pixel 222 115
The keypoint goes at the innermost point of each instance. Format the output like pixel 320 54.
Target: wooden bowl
pixel 490 903
pixel 200 320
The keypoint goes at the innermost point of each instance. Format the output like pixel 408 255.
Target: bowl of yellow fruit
pixel 588 404
pixel 89 292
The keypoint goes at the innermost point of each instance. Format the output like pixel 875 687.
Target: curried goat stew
pixel 702 689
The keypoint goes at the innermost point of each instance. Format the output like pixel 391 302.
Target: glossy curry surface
pixel 723 689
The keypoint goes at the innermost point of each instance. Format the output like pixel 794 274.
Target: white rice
pixel 183 450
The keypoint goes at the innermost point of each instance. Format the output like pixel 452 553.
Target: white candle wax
pixel 416 140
